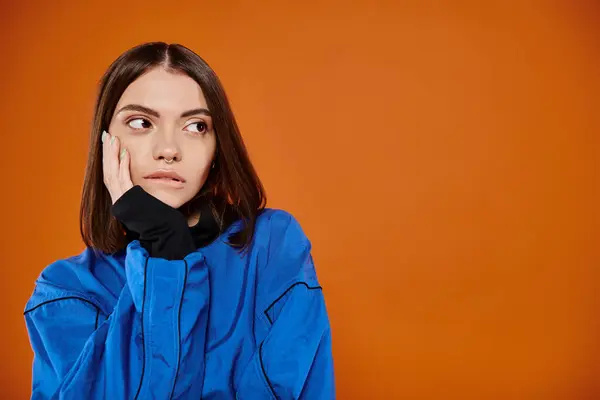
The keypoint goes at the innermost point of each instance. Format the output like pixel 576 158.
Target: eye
pixel 197 127
pixel 139 123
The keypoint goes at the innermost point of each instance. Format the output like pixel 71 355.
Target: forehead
pixel 164 91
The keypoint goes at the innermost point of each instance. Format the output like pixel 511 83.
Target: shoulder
pixel 284 254
pixel 280 225
pixel 69 278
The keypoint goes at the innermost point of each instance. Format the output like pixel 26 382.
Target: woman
pixel 189 287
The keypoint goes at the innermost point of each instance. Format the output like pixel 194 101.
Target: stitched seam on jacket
pixel 284 293
pixel 179 330
pixel 62 298
pixel 143 338
pixel 262 367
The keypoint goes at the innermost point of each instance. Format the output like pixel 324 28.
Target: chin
pixel 172 197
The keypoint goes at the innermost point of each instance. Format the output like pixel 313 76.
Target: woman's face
pixel 163 116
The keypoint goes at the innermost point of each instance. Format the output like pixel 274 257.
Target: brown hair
pixel 233 181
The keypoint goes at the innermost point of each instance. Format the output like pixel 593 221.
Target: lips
pixel 165 175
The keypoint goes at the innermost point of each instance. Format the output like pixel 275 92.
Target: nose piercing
pixel 169 161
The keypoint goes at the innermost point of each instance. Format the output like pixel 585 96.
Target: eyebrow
pixel 154 113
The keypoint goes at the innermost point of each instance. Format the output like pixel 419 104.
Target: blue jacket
pixel 218 324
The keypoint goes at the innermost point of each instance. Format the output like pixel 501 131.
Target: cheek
pixel 136 162
pixel 201 165
pixel 199 168
pixel 199 171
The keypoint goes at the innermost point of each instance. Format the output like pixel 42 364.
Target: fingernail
pixel 112 140
pixel 104 135
pixel 122 154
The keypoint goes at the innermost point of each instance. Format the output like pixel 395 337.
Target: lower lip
pixel 167 182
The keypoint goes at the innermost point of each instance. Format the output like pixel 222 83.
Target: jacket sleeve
pixel 294 361
pixel 137 351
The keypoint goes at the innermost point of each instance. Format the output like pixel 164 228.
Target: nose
pixel 166 146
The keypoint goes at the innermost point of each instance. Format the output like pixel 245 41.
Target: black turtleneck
pixel 163 230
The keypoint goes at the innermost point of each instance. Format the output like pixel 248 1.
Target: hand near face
pixel 115 166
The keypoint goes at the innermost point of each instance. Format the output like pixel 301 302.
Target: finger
pixel 124 173
pixel 113 160
pixel 105 155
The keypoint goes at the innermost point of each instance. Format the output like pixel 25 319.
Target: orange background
pixel 441 156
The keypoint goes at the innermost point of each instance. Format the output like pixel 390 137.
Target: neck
pixel 193 218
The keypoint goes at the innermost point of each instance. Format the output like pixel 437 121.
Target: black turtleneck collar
pixel 163 230
pixel 208 228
